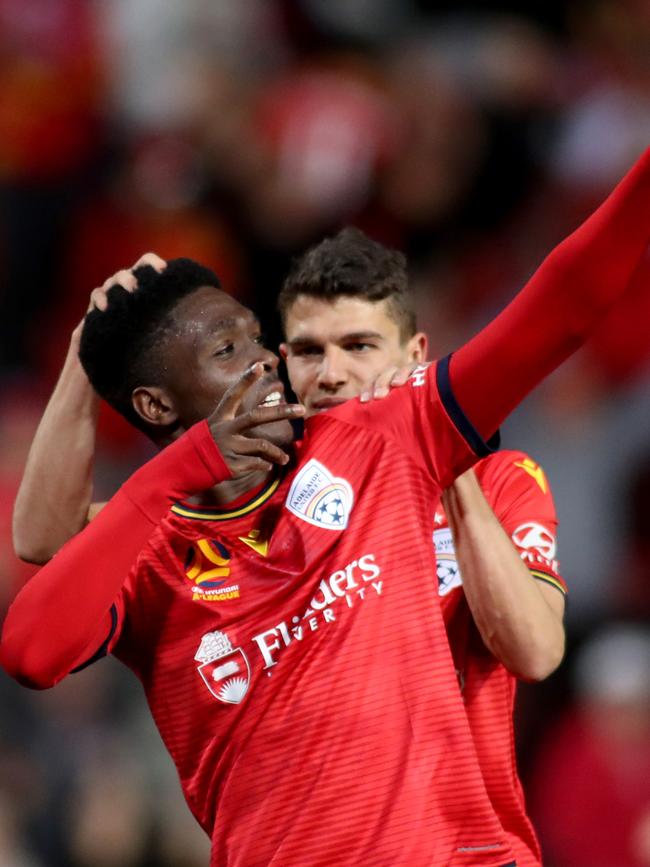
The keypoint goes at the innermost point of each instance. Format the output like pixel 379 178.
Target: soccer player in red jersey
pixel 310 706
pixel 343 331
pixel 348 319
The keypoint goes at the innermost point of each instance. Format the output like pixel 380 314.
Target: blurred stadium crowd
pixel 471 136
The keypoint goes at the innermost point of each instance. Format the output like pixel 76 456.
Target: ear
pixel 154 405
pixel 283 349
pixel 418 347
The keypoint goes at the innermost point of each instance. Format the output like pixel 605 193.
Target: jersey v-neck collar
pixel 248 502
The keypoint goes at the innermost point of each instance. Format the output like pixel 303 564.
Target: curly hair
pixel 120 348
pixel 353 265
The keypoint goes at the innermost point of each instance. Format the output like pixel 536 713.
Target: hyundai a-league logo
pixel 207 566
pixel 224 669
pixel 536 537
pixel 320 498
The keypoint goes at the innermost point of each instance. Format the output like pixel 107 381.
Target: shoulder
pixel 516 487
pixel 422 381
pixel 512 466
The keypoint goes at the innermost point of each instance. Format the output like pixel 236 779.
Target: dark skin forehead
pixel 212 341
pixel 208 311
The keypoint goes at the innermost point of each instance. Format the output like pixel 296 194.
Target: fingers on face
pixel 229 403
pixel 262 449
pixel 253 464
pixel 268 414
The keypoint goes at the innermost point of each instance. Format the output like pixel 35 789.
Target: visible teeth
pixel 272 399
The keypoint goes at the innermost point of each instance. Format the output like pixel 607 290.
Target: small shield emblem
pixel 227 677
pixel 320 498
pixel 447 568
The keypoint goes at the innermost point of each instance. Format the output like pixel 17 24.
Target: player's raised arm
pixel 55 492
pixel 558 308
pixel 54 498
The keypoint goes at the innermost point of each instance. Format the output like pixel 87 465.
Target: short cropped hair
pixel 120 347
pixel 353 265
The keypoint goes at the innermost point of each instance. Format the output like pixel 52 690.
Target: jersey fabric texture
pixel 294 656
pixel 517 490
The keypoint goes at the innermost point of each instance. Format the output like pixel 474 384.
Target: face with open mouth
pixel 214 341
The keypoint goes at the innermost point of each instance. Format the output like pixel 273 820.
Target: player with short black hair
pixel 127 348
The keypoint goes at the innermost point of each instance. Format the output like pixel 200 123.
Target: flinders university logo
pixel 447 568
pixel 207 566
pixel 225 671
pixel 319 498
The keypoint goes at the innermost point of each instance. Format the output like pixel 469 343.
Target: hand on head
pixel 124 278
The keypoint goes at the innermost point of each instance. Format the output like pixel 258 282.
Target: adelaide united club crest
pixel 318 497
pixel 224 669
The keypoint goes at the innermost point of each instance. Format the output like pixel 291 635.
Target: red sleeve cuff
pixel 206 448
pixel 191 464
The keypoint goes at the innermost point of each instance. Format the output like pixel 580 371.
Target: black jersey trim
pixel 549 579
pixel 101 652
pixel 217 514
pixel 464 426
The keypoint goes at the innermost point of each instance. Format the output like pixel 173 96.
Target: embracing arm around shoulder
pixel 54 497
pixel 520 618
pixel 485 379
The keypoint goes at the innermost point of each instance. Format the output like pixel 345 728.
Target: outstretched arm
pixel 54 497
pixel 449 412
pixel 520 619
pixel 558 308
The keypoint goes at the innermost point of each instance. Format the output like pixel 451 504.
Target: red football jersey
pixel 300 675
pixel 517 490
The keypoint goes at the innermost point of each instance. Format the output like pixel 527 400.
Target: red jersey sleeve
pixel 444 415
pixel 70 612
pixel 518 492
pixel 558 308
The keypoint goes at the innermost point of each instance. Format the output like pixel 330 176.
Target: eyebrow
pixel 231 322
pixel 349 336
